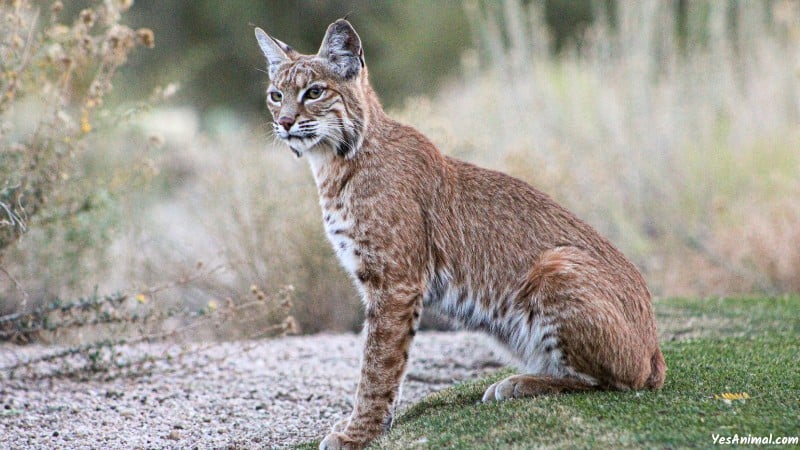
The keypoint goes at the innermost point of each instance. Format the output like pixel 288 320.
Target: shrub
pixel 252 208
pixel 55 74
pixel 122 325
pixel 69 177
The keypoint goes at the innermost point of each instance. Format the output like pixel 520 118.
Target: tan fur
pixel 415 227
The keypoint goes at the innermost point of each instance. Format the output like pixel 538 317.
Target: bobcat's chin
pixel 299 144
pixel 344 145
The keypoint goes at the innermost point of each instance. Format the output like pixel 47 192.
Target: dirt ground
pixel 251 394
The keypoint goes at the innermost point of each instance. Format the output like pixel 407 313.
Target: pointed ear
pixel 341 47
pixel 274 50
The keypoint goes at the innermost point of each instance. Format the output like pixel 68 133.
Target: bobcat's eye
pixel 275 96
pixel 314 93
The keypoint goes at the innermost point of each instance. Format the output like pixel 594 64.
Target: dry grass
pixel 237 202
pixel 679 146
pixel 685 156
pixel 682 149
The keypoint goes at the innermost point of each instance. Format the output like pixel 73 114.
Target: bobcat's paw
pixel 515 386
pixel 518 386
pixel 338 441
pixel 496 393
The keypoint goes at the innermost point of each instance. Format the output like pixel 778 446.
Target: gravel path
pixel 261 394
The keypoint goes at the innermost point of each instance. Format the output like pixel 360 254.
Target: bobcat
pixel 414 227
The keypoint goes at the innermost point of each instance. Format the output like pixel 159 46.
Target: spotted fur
pixel 413 227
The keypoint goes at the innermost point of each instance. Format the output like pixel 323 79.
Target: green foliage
pixel 412 47
pixel 209 47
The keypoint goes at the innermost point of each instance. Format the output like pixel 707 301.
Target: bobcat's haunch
pixel 414 227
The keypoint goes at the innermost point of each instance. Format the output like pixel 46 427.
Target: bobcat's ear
pixel 341 47
pixel 274 50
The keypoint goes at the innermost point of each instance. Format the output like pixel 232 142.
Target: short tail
pixel 658 371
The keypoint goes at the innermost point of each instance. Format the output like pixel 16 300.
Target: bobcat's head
pixel 319 102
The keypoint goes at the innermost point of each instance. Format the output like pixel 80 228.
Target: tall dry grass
pixel 681 147
pixel 676 136
pixel 238 200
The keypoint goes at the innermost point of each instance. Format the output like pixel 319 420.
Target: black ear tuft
pixel 341 46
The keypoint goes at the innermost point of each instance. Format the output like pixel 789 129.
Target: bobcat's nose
pixel 286 122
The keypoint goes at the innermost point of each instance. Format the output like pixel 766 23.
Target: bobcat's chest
pixel 339 227
pixel 331 177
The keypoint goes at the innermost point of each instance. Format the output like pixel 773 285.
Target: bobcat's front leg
pixel 390 327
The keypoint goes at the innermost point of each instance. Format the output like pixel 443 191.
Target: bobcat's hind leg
pixel 518 386
pixel 604 329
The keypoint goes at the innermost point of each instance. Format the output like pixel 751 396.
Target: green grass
pixel 712 346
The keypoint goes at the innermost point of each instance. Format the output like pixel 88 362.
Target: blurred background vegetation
pixel 413 45
pixel 671 126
